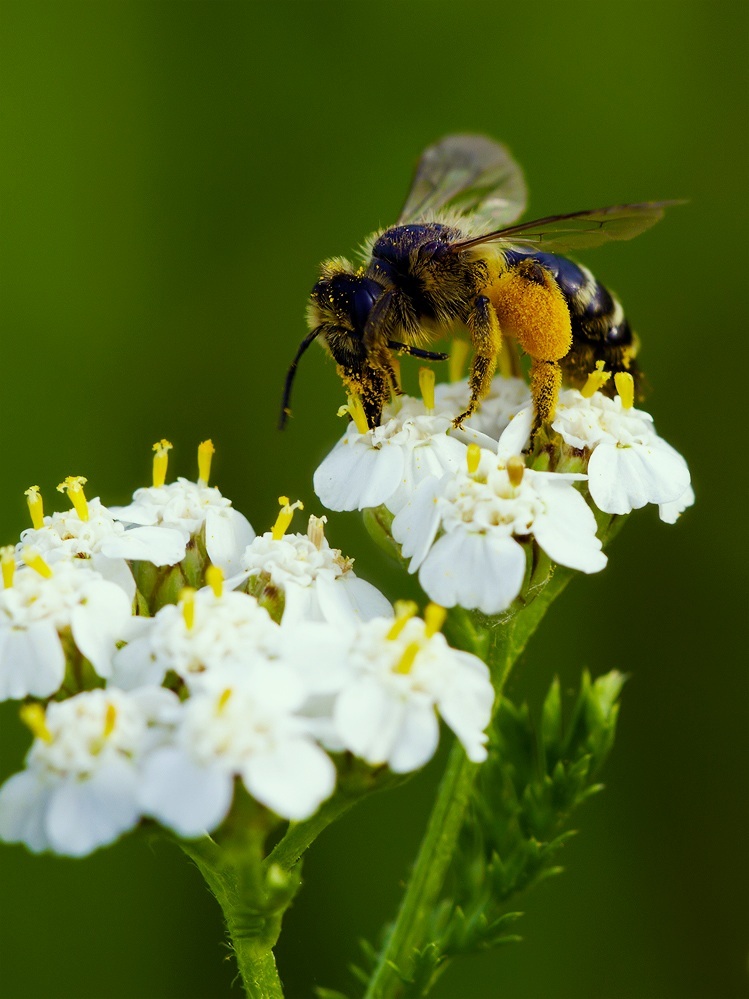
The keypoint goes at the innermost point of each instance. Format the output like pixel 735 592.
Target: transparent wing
pixel 467 173
pixel 578 230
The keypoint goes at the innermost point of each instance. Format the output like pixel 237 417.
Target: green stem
pixel 501 645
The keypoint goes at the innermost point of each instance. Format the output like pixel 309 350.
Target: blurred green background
pixel 172 174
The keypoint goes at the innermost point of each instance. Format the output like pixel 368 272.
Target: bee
pixel 455 263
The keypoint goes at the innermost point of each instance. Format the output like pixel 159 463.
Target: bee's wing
pixel 578 230
pixel 470 174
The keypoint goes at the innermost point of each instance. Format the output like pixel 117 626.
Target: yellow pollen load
pixel 458 354
pixel 473 458
pixel 160 461
pixel 595 380
pixel 404 611
pixel 215 579
pixel 515 470
pixel 356 412
pixel 33 717
pixel 8 562
pixel 285 516
pixel 206 451
pixel 187 602
pixel 406 661
pixel 110 720
pixel 426 387
pixel 35 561
pixel 73 486
pixel 625 386
pixel 36 507
pixel 434 618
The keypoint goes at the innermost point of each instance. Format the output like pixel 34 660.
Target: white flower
pixel 205 632
pixel 80 788
pixel 35 615
pixel 478 561
pixel 103 543
pixel 190 507
pixel 384 465
pixel 629 464
pixel 238 724
pixel 400 675
pixel 318 583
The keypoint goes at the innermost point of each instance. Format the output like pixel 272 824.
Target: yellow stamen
pixel 406 661
pixel 284 518
pixel 215 579
pixel 110 719
pixel 625 386
pixel 36 507
pixel 395 361
pixel 355 410
pixel 473 457
pixel 206 451
pixel 316 530
pixel 32 715
pixel 35 561
pixel 8 562
pixel 160 461
pixel 515 470
pixel 404 611
pixel 73 486
pixel 187 602
pixel 223 700
pixel 426 386
pixel 458 354
pixel 595 380
pixel 434 618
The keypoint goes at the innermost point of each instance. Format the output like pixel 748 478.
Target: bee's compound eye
pixel 362 301
pixel 620 335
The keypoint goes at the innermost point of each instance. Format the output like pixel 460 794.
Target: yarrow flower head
pixel 46 615
pixel 467 534
pixel 400 674
pixel 194 508
pixel 81 785
pixel 88 534
pixel 317 582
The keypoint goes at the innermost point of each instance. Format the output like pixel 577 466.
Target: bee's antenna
pixel 285 411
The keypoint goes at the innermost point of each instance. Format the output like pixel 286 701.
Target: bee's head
pixel 337 312
pixel 342 299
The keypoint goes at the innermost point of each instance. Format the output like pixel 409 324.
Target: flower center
pixel 285 516
pixel 595 380
pixel 160 461
pixel 73 486
pixel 36 507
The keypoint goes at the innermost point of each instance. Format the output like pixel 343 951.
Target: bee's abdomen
pixel 597 316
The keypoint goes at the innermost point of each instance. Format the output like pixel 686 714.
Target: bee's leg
pixel 486 338
pixel 546 380
pixel 426 355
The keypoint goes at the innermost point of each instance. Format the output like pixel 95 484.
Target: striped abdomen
pixel 600 330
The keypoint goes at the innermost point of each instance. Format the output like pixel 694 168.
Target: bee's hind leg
pixel 486 338
pixel 546 380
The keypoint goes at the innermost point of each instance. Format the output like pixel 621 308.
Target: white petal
pixel 417 739
pixel 115 570
pixel 32 662
pixel 515 438
pixel 159 545
pixel 178 792
pixel 415 525
pixel 292 779
pixel 364 599
pixel 134 666
pixel 145 514
pixel 567 530
pixel 227 534
pixel 98 624
pixel 670 512
pixel 622 479
pixel 86 814
pixel 466 703
pixel 356 477
pixel 368 719
pixel 483 571
pixel 23 806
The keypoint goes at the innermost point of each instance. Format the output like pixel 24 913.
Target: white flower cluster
pixel 161 717
pixel 465 506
